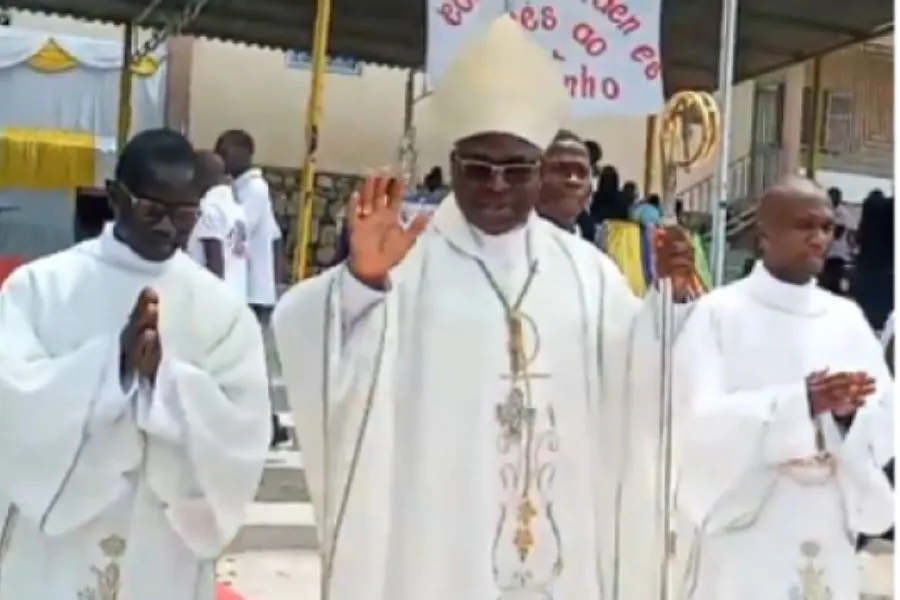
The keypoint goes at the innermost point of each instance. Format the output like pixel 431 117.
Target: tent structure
pixel 771 33
pixel 58 129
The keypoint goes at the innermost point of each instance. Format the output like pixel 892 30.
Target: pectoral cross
pixel 516 414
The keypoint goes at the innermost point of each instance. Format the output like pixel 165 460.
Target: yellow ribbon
pixel 52 58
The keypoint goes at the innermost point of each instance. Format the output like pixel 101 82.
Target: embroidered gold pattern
pixel 108 580
pixel 524 538
pixel 812 584
pixel 528 443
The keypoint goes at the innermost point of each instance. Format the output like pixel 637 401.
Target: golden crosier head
pixel 689 131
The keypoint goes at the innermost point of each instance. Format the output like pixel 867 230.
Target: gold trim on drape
pixel 53 58
pixel 44 159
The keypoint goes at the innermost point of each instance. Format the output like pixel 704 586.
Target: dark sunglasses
pixel 152 211
pixel 481 171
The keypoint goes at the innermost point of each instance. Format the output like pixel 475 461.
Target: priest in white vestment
pixel 467 421
pixel 134 415
pixel 773 490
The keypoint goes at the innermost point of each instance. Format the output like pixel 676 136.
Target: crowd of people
pixel 479 393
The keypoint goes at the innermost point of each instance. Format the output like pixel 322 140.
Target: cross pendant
pixel 514 416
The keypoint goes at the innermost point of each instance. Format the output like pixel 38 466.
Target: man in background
pixel 236 147
pixel 566 185
pixel 219 240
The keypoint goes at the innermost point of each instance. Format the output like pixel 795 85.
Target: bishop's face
pixel 496 180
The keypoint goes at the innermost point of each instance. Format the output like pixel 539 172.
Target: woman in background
pixel 873 280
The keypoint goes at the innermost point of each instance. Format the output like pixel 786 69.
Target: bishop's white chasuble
pixel 770 508
pixel 112 492
pixel 487 428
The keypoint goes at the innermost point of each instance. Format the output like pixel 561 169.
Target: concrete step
pixel 277 527
pixel 281 517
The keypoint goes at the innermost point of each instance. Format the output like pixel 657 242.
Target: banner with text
pixel 608 49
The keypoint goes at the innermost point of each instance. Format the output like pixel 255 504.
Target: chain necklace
pixel 516 415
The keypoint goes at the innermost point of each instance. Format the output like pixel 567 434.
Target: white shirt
pixel 840 247
pixel 223 219
pixel 888 332
pixel 252 193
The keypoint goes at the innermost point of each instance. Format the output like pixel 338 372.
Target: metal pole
pixel 313 122
pixel 814 146
pixel 650 154
pixel 408 145
pixel 123 118
pixel 664 483
pixel 728 35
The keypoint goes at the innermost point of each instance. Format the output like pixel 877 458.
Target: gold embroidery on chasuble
pixel 811 584
pixel 527 546
pixel 108 579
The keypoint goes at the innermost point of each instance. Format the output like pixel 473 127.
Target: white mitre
pixel 502 82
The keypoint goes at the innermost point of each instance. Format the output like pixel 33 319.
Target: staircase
pixel 748 177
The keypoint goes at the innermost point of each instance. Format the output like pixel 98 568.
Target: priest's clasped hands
pixel 840 393
pixel 141 352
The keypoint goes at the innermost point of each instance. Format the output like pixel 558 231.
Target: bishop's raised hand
pixel 378 239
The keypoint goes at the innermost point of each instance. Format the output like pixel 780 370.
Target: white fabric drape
pixel 83 99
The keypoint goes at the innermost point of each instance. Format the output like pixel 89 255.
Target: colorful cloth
pixel 630 245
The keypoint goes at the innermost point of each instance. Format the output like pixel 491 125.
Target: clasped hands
pixel 840 393
pixel 139 343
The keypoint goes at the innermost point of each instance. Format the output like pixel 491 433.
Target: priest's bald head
pixel 796 224
pixel 500 104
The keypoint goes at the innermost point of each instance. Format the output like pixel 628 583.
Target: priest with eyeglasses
pixel 134 413
pixel 465 388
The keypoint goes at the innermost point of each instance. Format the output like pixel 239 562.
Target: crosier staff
pixel 679 151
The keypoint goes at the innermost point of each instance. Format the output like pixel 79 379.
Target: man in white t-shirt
pixel 219 240
pixel 236 148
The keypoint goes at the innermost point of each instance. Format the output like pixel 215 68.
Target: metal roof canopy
pixel 771 34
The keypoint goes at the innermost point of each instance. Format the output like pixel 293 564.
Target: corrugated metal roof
pixel 771 33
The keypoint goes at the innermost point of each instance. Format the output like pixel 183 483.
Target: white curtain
pixel 83 99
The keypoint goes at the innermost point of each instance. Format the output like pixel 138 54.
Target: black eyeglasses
pixel 153 211
pixel 481 171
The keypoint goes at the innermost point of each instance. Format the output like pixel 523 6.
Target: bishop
pixel 464 389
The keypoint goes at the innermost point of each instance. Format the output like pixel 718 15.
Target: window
pixel 836 126
pixel 839 122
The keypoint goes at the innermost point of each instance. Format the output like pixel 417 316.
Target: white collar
pixel 251 173
pixel 806 299
pixel 110 250
pixel 449 222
